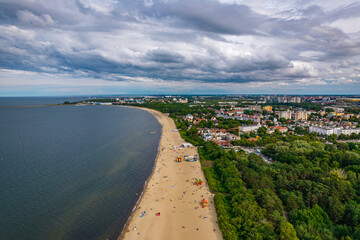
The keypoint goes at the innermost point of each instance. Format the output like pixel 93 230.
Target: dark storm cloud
pixel 199 40
pixel 210 16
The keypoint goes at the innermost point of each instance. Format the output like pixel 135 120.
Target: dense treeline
pixel 343 137
pixel 353 110
pixel 244 211
pixel 319 182
pixel 228 123
pixel 312 191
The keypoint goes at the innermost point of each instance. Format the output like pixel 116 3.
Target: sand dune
pixel 171 192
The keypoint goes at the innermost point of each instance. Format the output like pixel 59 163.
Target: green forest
pixel 311 191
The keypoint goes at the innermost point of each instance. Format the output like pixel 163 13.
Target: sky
pixel 98 47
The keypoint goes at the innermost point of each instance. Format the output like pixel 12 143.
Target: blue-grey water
pixel 72 172
pixel 32 101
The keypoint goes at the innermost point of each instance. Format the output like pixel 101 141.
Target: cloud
pixel 210 16
pixel 197 41
pixel 300 70
pixel 164 56
pixel 28 18
pixel 348 63
pixel 104 6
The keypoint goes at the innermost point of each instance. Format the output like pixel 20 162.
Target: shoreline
pixel 156 189
pixel 126 225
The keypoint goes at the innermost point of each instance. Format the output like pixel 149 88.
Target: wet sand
pixel 171 192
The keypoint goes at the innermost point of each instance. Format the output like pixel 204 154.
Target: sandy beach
pixel 171 193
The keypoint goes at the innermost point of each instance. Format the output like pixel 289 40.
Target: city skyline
pixel 94 47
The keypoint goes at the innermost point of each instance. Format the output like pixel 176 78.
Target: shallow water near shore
pixel 72 172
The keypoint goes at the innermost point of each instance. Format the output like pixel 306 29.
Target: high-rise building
pixel 285 114
pixel 298 99
pixel 284 100
pixel 301 115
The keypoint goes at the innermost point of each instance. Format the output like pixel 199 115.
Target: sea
pixel 36 101
pixel 72 172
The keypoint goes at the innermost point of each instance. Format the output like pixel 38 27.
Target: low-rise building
pixel 349 131
pixel 183 100
pixel 267 108
pixel 255 118
pixel 189 117
pixel 249 128
pixel 326 131
pixel 217 135
pixel 281 129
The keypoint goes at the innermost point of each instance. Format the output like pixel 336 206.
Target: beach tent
pixel 179 159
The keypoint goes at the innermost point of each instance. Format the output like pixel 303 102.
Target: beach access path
pixel 171 192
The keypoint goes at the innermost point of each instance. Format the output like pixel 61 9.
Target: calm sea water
pixel 72 172
pixel 30 101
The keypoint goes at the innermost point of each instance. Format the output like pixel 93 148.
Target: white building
pixel 183 100
pixel 208 135
pixel 189 117
pixel 244 117
pixel 326 131
pixel 249 128
pixel 349 131
pixel 185 145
